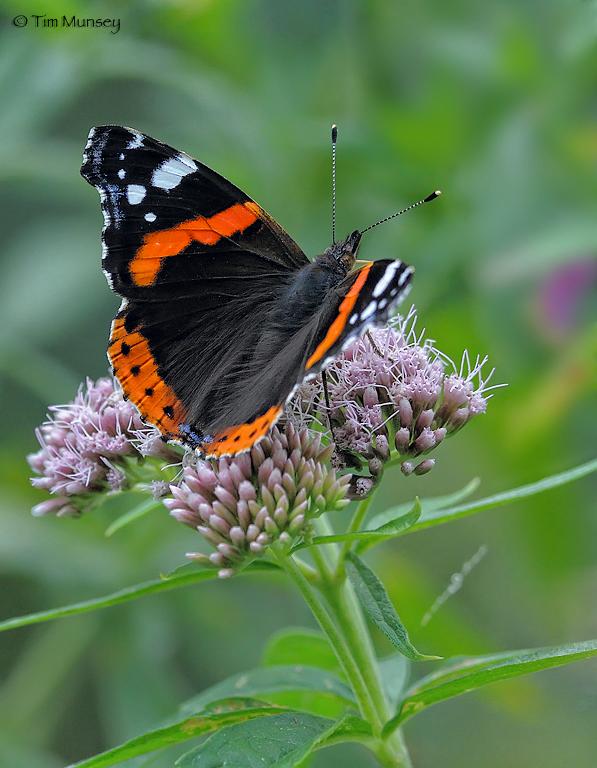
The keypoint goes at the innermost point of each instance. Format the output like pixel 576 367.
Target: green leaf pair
pixel 469 674
pixel 245 728
pixel 239 711
pixel 426 513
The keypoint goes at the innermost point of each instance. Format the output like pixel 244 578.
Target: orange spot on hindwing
pixel 137 372
pixel 335 330
pixel 157 246
pixel 241 437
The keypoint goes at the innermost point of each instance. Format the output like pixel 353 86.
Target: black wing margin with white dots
pixel 365 299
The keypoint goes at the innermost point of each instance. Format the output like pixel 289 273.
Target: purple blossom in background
pixel 243 504
pixel 83 446
pixel 392 393
pixel 562 294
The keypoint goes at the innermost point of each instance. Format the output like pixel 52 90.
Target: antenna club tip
pixel 334 132
pixel 432 196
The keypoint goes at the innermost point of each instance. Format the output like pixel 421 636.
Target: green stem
pixel 337 641
pixel 344 607
pixel 308 572
pixel 341 598
pixel 355 525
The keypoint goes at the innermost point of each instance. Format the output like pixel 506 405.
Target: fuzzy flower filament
pixel 90 445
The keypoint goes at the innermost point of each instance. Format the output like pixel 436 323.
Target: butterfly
pixel 222 314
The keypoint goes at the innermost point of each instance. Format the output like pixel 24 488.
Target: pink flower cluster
pixel 392 394
pixel 83 446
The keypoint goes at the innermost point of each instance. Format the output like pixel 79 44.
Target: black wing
pixel 200 266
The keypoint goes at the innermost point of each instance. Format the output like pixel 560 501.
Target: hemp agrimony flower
pixel 243 504
pixel 392 394
pixel 85 445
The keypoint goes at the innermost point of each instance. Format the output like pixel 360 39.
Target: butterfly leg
pixel 326 395
pixel 373 344
pixel 191 437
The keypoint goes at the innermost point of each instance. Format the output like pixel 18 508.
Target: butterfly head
pixel 344 253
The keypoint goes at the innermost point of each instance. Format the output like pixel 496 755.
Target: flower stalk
pixel 341 619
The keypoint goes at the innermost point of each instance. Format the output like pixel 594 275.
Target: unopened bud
pixel 402 439
pixel 424 467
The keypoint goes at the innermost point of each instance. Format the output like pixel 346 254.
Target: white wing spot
pixel 369 310
pixel 171 172
pixel 109 278
pixel 404 276
pixel 88 144
pixel 136 141
pixel 121 156
pixel 121 173
pixel 386 278
pixel 353 319
pixel 150 217
pixel 383 303
pixel 135 193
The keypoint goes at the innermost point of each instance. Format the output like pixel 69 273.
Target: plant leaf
pixel 394 677
pixel 374 599
pixel 386 531
pixel 280 741
pixel 427 505
pixel 192 576
pixel 464 675
pixel 300 646
pixel 268 680
pixel 220 715
pixel 440 516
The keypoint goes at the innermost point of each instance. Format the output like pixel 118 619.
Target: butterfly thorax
pixel 304 295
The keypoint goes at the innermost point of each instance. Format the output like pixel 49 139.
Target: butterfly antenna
pixel 334 140
pixel 427 199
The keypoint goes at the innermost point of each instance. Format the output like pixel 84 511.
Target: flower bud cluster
pixel 243 504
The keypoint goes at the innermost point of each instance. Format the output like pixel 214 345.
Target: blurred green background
pixel 494 103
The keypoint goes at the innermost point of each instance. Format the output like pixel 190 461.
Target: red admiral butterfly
pixel 223 315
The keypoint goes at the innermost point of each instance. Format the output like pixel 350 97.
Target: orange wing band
pixel 137 372
pixel 344 310
pixel 157 246
pixel 241 437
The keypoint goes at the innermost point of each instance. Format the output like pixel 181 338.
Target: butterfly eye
pixel 354 241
